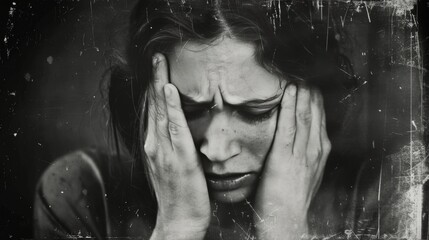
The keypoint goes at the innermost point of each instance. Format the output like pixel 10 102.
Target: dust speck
pixel 50 59
pixel 27 77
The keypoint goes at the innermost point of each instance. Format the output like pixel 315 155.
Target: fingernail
pixel 291 89
pixel 155 61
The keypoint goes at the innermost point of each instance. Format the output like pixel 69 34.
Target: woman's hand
pixel 294 167
pixel 175 169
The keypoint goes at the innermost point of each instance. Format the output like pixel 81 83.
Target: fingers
pixel 157 115
pixel 286 126
pixel 181 138
pixel 303 120
pixel 326 149
pixel 167 125
pixel 325 142
pixel 314 149
pixel 160 78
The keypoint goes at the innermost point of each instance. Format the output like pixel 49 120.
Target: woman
pixel 218 107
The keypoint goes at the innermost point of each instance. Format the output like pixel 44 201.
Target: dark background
pixel 53 56
pixel 52 63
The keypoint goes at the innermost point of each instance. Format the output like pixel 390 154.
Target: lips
pixel 229 182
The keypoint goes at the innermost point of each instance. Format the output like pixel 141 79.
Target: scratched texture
pixel 53 54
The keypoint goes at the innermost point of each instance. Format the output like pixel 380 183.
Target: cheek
pixel 258 138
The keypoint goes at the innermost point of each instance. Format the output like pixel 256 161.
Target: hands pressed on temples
pixel 176 173
pixel 294 166
pixel 291 176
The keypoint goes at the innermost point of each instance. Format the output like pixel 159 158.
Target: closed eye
pixel 256 117
pixel 250 116
pixel 194 112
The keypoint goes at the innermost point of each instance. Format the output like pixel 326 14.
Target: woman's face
pixel 230 102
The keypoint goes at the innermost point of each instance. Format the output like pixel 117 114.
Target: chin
pixel 232 196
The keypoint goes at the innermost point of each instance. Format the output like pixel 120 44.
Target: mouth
pixel 229 182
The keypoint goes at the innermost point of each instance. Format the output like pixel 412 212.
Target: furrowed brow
pixel 260 102
pixel 186 100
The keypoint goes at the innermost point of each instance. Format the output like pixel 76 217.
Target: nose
pixel 220 141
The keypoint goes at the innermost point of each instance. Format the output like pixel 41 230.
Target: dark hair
pixel 285 43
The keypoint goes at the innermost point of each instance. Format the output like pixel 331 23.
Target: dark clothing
pixel 87 193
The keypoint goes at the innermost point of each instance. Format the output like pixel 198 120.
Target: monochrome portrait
pixel 215 119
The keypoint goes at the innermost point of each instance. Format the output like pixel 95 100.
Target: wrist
pixel 180 230
pixel 281 225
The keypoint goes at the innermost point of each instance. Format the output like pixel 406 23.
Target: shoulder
pixel 71 175
pixel 89 191
pixel 70 199
pixel 70 166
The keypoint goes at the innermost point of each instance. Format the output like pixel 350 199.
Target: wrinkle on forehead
pixel 228 66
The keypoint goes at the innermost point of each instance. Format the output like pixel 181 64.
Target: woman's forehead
pixel 228 65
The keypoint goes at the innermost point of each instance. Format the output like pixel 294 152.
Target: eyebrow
pixel 248 103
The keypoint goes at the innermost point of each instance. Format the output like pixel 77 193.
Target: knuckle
pixel 150 150
pixel 316 153
pixel 163 134
pixel 160 116
pixel 327 146
pixel 173 128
